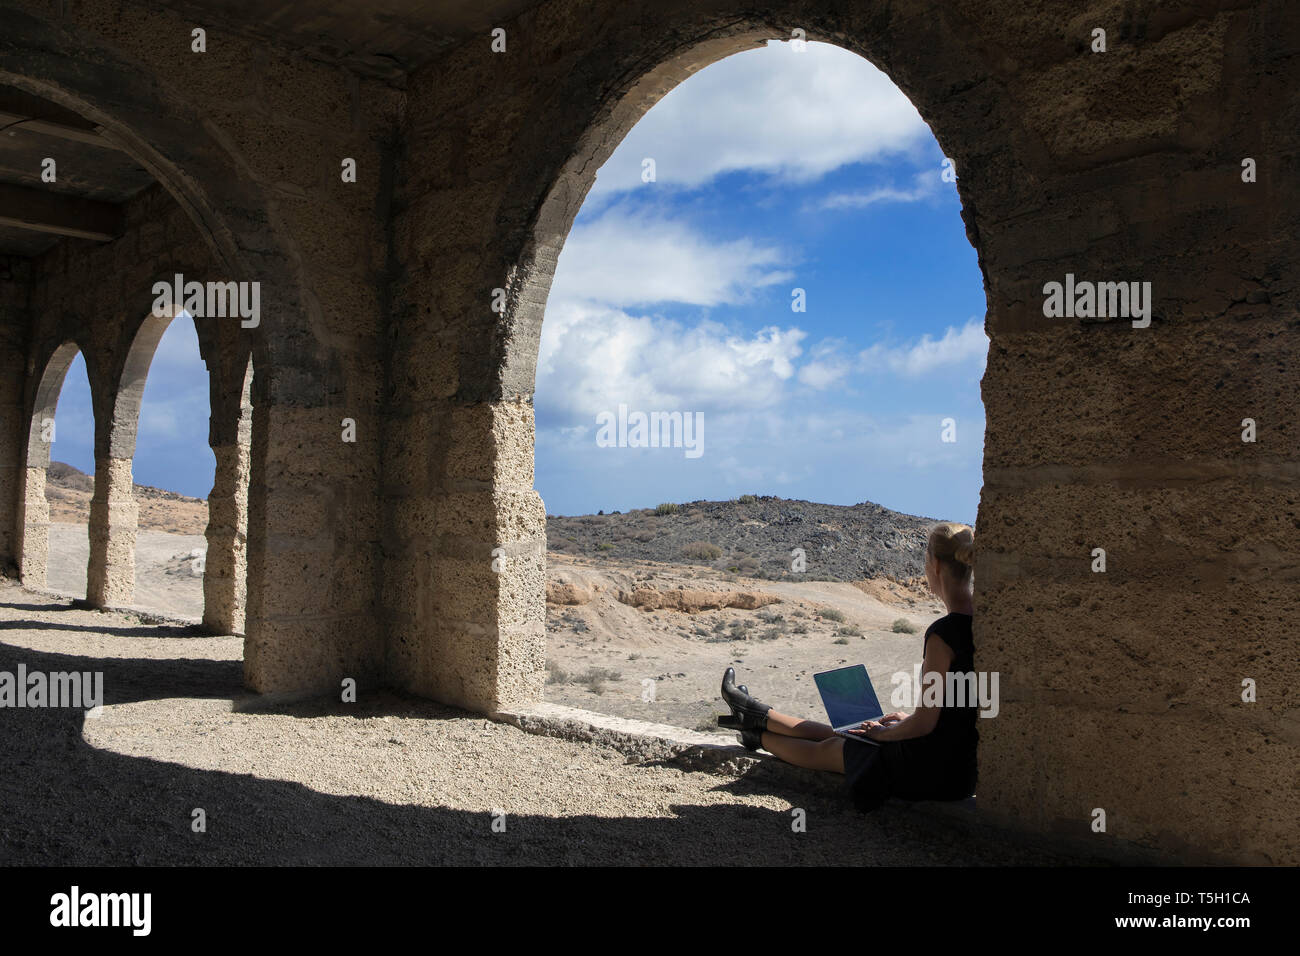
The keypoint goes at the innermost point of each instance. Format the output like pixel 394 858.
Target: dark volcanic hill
pixel 755 536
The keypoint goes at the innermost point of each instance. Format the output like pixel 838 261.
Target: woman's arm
pixel 938 658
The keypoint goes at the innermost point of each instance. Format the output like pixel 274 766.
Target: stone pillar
pixel 110 579
pixel 312 552
pixel 468 616
pixel 226 567
pixel 32 511
pixel 34 522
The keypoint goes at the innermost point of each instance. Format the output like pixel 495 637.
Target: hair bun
pixel 965 547
pixel 953 543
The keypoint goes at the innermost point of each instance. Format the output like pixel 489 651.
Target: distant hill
pixel 69 490
pixel 63 475
pixel 755 537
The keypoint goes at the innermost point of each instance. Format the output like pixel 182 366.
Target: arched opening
pixel 775 255
pixel 59 478
pixel 183 499
pixel 172 467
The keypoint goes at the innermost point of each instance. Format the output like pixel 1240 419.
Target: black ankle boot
pixel 751 739
pixel 733 720
pixel 746 712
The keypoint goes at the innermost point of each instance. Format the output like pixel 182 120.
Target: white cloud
pixel 825 367
pixel 967 344
pixel 925 186
pixel 623 259
pixel 794 115
pixel 593 358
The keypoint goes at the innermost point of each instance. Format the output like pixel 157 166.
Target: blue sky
pixel 774 170
pixel 171 446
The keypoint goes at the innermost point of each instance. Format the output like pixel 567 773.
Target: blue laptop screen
pixel 848 695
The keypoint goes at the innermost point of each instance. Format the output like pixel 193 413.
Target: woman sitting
pixel 927 755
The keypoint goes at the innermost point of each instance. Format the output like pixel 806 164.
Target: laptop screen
pixel 847 695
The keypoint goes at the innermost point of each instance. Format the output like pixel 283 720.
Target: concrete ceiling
pixel 387 38
pixel 91 178
pixel 382 38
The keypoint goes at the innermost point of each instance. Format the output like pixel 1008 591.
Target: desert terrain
pixel 169 545
pixel 632 630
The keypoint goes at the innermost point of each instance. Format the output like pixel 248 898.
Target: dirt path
pixel 387 780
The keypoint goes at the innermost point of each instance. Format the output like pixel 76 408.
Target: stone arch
pixel 567 196
pixel 33 531
pixel 592 99
pixel 114 512
pixel 926 58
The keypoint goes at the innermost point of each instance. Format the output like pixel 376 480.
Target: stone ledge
pixel 635 738
pixel 692 750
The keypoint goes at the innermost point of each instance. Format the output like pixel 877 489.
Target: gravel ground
pixel 387 780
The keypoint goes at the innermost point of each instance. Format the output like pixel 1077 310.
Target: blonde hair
pixel 954 546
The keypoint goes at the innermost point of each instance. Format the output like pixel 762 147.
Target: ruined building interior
pixel 1170 158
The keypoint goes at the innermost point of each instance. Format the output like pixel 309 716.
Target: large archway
pixel 466 617
pixel 594 130
pixel 780 233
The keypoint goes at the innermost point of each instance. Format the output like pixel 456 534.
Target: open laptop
pixel 849 699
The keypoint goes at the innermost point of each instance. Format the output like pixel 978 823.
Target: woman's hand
pixel 868 729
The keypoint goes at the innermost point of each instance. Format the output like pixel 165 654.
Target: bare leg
pixel 787 726
pixel 825 754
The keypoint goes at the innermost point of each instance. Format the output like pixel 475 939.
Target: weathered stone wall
pixel 1125 687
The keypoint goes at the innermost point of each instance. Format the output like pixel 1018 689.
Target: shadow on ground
pixel 63 802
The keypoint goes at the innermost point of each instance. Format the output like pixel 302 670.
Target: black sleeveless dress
pixel 939 766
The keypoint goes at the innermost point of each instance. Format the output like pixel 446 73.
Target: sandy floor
pixel 387 780
pixel 168 569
